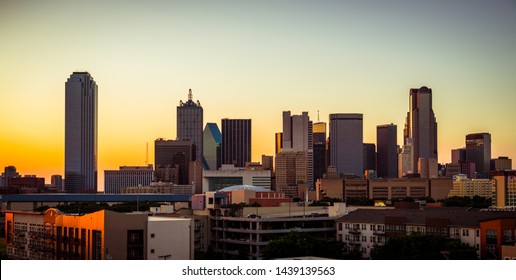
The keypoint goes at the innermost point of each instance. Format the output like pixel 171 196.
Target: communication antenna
pixel 147 154
pixel 318 116
pixel 190 95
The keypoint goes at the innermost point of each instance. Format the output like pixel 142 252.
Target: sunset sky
pixel 251 59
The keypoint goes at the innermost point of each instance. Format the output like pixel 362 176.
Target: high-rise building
pixel 319 144
pixel 57 182
pixel 369 154
pixel 458 155
pixel 190 124
pixel 478 150
pixel 298 137
pixel 211 147
pixel 291 168
pixel 267 162
pixel 278 140
pixel 387 151
pixel 504 183
pixel 501 163
pixel 421 126
pixel 127 176
pixel 9 172
pixel 81 133
pixel 170 155
pixel 346 140
pixel 236 142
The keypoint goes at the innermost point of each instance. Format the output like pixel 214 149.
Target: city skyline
pixel 252 61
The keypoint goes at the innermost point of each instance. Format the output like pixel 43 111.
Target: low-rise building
pixel 465 187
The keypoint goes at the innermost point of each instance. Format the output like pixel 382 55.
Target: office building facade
pixel 421 126
pixel 212 140
pixel 173 156
pixel 190 124
pixel 478 150
pixel 236 142
pixel 387 151
pixel 346 143
pixel 81 109
pixel 127 176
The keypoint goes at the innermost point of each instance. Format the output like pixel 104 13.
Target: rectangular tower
pixel 81 133
pixel 387 151
pixel 421 126
pixel 190 124
pixel 236 141
pixel 346 143
pixel 478 150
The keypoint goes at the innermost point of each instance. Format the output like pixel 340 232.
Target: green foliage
pixel 327 201
pixel 423 247
pixel 296 244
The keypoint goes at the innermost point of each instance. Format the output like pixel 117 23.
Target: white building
pixel 463 186
pixel 127 176
pixel 228 175
pixel 170 238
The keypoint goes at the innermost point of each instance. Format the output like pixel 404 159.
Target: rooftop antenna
pixel 190 95
pixel 318 116
pixel 147 154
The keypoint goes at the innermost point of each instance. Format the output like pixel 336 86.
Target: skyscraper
pixel 478 150
pixel 211 147
pixel 369 155
pixel 346 143
pixel 190 124
pixel 421 126
pixel 319 141
pixel 298 137
pixel 387 151
pixel 236 142
pixel 81 133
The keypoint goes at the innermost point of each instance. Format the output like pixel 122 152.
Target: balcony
pixel 354 243
pixel 354 230
pixel 379 232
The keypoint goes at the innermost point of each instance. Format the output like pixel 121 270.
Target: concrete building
pixel 478 150
pixel 406 160
pixel 291 169
pixel 427 168
pixel 190 124
pixel 81 135
pixel 298 137
pixel 363 229
pixel 387 151
pixel 268 162
pixel 501 163
pixel 159 188
pixel 212 140
pixel 399 188
pixel 170 243
pixel 346 140
pixel 236 142
pixel 116 180
pixel 9 172
pixel 505 188
pixel 462 167
pixel 245 237
pixel 228 175
pixel 463 186
pixel 421 126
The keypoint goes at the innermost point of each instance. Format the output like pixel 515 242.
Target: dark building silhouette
pixel 369 154
pixel 190 124
pixel 172 160
pixel 387 151
pixel 236 141
pixel 478 150
pixel 81 133
pixel 319 144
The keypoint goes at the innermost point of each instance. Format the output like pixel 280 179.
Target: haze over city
pixel 251 60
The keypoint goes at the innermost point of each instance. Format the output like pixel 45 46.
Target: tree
pixel 423 247
pixel 296 244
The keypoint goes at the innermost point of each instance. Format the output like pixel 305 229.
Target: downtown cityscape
pixel 313 138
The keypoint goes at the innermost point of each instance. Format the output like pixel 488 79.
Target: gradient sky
pixel 251 59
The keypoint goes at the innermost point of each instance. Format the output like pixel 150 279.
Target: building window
pixel 478 232
pixel 364 227
pixel 364 238
pixel 347 237
pixel 346 226
pixel 340 226
pixel 152 235
pixel 465 232
pixel 152 251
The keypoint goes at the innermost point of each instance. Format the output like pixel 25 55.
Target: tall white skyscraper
pixel 81 133
pixel 346 143
pixel 298 137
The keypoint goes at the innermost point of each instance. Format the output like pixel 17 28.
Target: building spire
pixel 190 95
